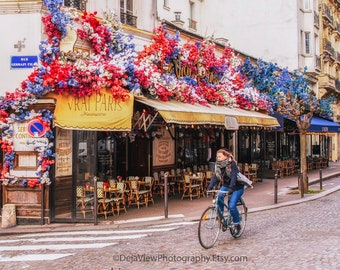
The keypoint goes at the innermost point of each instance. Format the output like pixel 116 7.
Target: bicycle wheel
pixel 242 209
pixel 209 227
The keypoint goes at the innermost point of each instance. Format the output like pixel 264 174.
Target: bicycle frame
pixel 225 219
pixel 213 221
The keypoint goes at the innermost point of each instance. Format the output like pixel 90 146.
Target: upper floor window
pixel 126 13
pixel 306 5
pixel 307 43
pixel 77 4
pixel 166 3
pixel 192 21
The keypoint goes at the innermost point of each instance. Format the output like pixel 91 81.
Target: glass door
pixel 84 169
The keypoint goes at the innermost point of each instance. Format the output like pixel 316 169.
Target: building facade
pixel 174 137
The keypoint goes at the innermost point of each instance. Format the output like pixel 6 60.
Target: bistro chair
pixel 190 189
pixel 254 167
pixel 112 183
pixel 119 197
pixel 179 181
pixel 277 168
pixel 201 182
pixel 171 182
pixel 149 183
pixel 208 176
pixel 247 171
pixel 158 188
pixel 105 205
pixel 84 202
pixel 137 196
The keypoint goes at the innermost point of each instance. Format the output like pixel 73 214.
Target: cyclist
pixel 226 170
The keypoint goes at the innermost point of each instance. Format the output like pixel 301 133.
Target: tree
pixel 292 97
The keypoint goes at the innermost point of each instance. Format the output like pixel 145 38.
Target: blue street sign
pixel 23 61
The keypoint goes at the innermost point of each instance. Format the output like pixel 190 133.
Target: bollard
pixel 320 179
pixel 275 189
pixel 95 204
pixel 166 194
pixel 9 218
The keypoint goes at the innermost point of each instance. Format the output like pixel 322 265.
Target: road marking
pixel 103 238
pixel 56 247
pixel 34 257
pixel 94 232
pixel 148 219
pixel 62 241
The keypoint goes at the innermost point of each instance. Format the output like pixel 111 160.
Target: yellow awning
pixel 188 114
pixel 252 118
pixel 97 112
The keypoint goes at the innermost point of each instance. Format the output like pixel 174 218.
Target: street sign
pixel 36 128
pixel 23 61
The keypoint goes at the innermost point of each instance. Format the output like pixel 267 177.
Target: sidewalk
pixel 260 198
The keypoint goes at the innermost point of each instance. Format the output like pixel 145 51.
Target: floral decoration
pixel 109 65
pixel 164 70
pixel 192 73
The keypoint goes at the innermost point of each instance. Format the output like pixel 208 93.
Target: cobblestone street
pixel 303 236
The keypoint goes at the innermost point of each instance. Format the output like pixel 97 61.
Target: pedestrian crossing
pixel 56 245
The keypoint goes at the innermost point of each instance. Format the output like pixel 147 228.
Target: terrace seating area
pixel 116 196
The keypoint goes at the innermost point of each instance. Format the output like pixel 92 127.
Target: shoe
pixel 237 228
pixel 224 228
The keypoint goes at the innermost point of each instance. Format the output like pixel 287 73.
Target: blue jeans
pixel 234 198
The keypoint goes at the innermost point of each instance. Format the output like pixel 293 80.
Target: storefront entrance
pixel 93 154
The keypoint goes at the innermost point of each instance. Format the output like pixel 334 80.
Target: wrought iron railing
pixel 192 24
pixel 327 13
pixel 77 4
pixel 128 19
pixel 317 62
pixel 337 84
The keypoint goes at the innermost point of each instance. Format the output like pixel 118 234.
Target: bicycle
pixel 213 221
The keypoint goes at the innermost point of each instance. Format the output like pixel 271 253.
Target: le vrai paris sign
pixel 95 112
pixel 200 72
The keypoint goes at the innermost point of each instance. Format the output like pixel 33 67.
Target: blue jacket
pixel 230 182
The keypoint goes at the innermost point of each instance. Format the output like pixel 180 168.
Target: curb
pixel 294 202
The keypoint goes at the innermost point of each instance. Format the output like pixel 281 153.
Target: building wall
pixel 24 27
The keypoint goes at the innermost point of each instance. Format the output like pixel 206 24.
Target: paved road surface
pixel 303 236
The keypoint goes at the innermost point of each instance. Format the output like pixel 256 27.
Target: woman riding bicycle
pixel 226 170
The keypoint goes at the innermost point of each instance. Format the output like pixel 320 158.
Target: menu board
pixel 163 150
pixel 63 160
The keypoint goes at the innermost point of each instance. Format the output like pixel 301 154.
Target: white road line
pixel 94 232
pixel 75 239
pixel 55 247
pixel 148 219
pixel 34 257
pixel 174 224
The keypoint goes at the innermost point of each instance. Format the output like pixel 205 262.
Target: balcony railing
pixel 192 24
pixel 337 84
pixel 77 4
pixel 327 46
pixel 327 13
pixel 317 62
pixel 337 27
pixel 128 19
